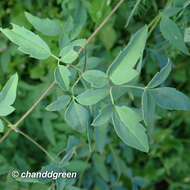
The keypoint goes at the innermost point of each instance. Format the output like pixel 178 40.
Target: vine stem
pixel 129 86
pixel 101 25
pixel 54 82
pixel 30 139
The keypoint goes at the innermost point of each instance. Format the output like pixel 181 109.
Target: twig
pixel 29 138
pixel 132 13
pixel 101 25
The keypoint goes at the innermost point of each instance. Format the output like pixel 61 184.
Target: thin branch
pixel 132 13
pixel 101 25
pixel 29 138
pixel 38 145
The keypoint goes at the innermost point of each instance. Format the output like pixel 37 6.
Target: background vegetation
pixel 111 164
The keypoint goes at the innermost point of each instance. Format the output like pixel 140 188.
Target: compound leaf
pixel 8 96
pixel 122 69
pixel 161 76
pixel 62 75
pixel 97 78
pixel 45 26
pixel 170 98
pixel 90 97
pixel 27 41
pixel 77 117
pixel 127 126
pixel 172 33
pixel 59 104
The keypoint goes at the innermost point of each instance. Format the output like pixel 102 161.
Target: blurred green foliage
pixel 112 165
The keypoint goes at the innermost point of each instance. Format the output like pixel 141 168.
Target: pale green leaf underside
pixel 90 97
pixel 122 69
pixel 96 78
pixel 68 53
pixel 170 98
pixel 104 115
pixel 27 41
pixel 77 117
pixel 127 126
pixel 6 110
pixel 45 26
pixel 1 126
pixel 161 76
pixel 172 33
pixel 59 104
pixel 62 75
pixel 8 96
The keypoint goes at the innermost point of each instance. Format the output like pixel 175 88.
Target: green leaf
pixel 68 53
pixel 8 96
pixel 59 104
pixel 48 130
pixel 161 76
pixel 187 35
pixel 127 126
pixel 172 33
pixel 104 115
pixel 101 137
pixel 170 98
pixel 77 165
pixel 108 36
pixel 45 26
pixel 90 97
pixel 80 18
pixel 97 78
pixel 171 11
pixel 122 69
pixel 27 41
pixel 77 117
pixel 148 107
pixel 1 126
pixel 99 164
pixel 62 75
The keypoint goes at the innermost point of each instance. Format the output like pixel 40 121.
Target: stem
pixel 101 25
pixel 132 12
pixel 55 57
pixel 130 86
pixel 111 95
pixel 38 145
pixel 76 82
pixel 29 138
pixel 154 23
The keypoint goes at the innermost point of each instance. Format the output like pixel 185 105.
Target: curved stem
pixel 129 86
